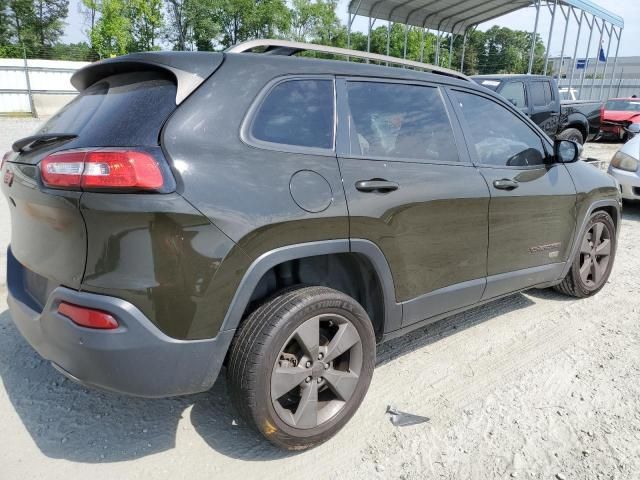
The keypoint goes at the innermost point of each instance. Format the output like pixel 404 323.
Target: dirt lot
pixel 532 386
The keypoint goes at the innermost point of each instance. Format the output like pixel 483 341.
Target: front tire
pixel 572 134
pixel 301 364
pixel 592 265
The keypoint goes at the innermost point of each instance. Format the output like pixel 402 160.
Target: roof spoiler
pixel 189 69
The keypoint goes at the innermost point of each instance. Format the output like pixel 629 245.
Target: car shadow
pixel 70 422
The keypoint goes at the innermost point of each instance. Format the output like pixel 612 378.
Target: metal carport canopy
pixel 455 16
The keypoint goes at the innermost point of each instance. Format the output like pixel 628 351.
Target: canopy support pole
pixel 575 52
pixel 350 23
pixel 371 22
pixel 606 61
pixel 406 37
pixel 452 39
pixel 595 70
pixel 533 37
pixel 586 57
pixel 553 19
pixel 464 47
pixel 567 17
pixel 421 44
pixel 615 61
pixel 388 38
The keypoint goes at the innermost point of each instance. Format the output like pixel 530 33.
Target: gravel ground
pixel 535 385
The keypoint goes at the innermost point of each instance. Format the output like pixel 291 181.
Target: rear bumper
pixel 135 359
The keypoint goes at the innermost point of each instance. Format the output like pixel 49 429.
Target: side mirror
pixel 567 151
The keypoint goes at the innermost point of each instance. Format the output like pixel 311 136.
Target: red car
pixel 616 115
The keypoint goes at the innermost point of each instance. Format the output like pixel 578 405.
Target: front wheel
pixel 572 134
pixel 592 264
pixel 301 364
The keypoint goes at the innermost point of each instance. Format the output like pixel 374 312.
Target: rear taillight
pixel 102 169
pixel 87 317
pixel 5 157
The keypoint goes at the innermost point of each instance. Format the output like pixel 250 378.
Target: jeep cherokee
pixel 281 216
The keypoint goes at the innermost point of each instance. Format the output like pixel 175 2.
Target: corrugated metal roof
pixel 457 15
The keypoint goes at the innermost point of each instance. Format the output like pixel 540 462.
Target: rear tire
pixel 592 264
pixel 301 364
pixel 572 134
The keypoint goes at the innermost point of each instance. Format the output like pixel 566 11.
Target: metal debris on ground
pixel 403 419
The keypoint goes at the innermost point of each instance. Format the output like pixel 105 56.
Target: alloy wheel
pixel 317 371
pixel 595 253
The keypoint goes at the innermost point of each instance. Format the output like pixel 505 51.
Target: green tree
pixel 145 20
pixel 313 20
pixel 21 22
pixel 178 30
pixel 111 34
pixel 48 20
pixel 240 20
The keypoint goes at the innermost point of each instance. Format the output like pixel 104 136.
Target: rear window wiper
pixel 34 142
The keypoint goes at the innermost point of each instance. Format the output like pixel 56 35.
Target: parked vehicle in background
pixel 282 216
pixel 625 167
pixel 616 115
pixel 538 97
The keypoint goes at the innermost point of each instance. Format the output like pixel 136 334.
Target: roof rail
pixel 285 47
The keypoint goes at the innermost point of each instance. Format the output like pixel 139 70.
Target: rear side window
pixel 514 92
pixel 399 121
pixel 121 110
pixel 499 137
pixel 297 112
pixel 537 94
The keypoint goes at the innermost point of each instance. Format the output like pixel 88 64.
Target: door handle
pixel 505 184
pixel 376 185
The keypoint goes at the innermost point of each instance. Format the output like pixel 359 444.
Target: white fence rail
pixel 35 87
pixel 595 90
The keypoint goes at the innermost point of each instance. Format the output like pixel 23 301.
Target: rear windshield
pixel 127 109
pixel 623 105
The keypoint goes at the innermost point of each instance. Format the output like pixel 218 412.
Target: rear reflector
pixel 87 317
pixel 102 169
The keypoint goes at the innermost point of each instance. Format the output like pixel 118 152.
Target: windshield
pixel 623 105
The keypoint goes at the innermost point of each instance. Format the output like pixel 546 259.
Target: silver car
pixel 625 168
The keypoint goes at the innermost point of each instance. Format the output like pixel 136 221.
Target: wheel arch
pixel 579 123
pixel 611 207
pixel 357 268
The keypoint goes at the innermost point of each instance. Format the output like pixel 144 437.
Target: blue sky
pixel 521 20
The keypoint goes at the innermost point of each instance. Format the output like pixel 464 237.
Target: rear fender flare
pixel 268 260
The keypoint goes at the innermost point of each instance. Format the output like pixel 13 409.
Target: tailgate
pixel 48 236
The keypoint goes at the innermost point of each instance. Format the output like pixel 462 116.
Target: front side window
pixel 499 137
pixel 399 121
pixel 514 92
pixel 297 112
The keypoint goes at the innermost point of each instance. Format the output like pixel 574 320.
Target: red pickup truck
pixel 616 115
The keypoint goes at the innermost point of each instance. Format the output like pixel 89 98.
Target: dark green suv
pixel 281 216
